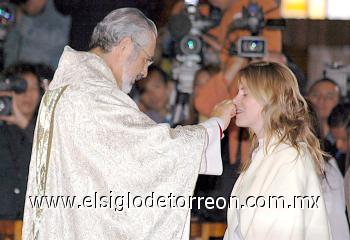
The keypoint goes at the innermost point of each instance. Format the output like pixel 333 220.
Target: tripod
pixel 184 73
pixel 181 108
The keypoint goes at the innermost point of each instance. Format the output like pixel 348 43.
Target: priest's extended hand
pixel 224 110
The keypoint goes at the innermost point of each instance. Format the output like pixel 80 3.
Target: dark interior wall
pixel 301 33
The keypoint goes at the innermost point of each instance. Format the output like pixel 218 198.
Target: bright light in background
pixel 192 2
pixel 338 9
pixel 294 9
pixel 317 9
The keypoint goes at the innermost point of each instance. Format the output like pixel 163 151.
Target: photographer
pixel 223 85
pixel 16 138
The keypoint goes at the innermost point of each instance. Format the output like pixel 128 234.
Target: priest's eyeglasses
pixel 149 59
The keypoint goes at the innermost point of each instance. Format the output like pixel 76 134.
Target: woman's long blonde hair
pixel 285 111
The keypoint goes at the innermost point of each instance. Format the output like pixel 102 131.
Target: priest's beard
pixel 128 81
pixel 128 78
pixel 127 84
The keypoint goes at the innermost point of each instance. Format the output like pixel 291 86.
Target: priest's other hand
pixel 224 110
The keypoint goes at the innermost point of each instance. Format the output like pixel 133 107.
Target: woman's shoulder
pixel 287 150
pixel 284 154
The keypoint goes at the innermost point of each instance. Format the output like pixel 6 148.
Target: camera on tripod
pixel 187 27
pixel 11 84
pixel 186 30
pixel 253 20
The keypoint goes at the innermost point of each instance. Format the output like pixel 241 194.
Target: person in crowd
pixel 16 140
pixel 347 175
pixel 38 35
pixel 337 121
pixel 324 94
pixel 155 91
pixel 332 187
pixel 201 77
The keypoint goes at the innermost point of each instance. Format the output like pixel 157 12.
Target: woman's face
pixel 324 97
pixel 28 101
pixel 248 111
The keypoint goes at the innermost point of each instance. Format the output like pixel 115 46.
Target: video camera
pixel 253 20
pixel 187 27
pixel 12 83
pixel 186 30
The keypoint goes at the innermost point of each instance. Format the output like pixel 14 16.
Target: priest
pixel 100 168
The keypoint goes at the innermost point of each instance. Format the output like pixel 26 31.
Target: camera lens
pixel 5 105
pixel 191 44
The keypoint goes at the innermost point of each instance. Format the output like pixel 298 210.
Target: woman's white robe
pixel 279 172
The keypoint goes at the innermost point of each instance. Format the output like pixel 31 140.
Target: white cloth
pixel 213 163
pixel 333 191
pixel 278 172
pixel 91 139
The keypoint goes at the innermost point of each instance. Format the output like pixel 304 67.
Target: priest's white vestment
pixel 92 143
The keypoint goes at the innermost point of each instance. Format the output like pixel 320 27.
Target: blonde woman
pixel 278 194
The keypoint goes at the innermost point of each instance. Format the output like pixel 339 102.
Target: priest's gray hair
pixel 121 23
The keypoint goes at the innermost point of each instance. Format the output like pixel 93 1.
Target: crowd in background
pixel 36 40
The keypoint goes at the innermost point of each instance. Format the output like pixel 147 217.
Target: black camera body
pixel 187 28
pixel 11 84
pixel 251 47
pixel 253 20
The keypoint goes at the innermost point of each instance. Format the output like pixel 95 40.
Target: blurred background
pixel 200 47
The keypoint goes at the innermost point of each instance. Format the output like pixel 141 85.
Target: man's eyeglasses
pixel 149 59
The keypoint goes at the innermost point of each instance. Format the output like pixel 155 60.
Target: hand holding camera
pixel 16 117
pixel 9 111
